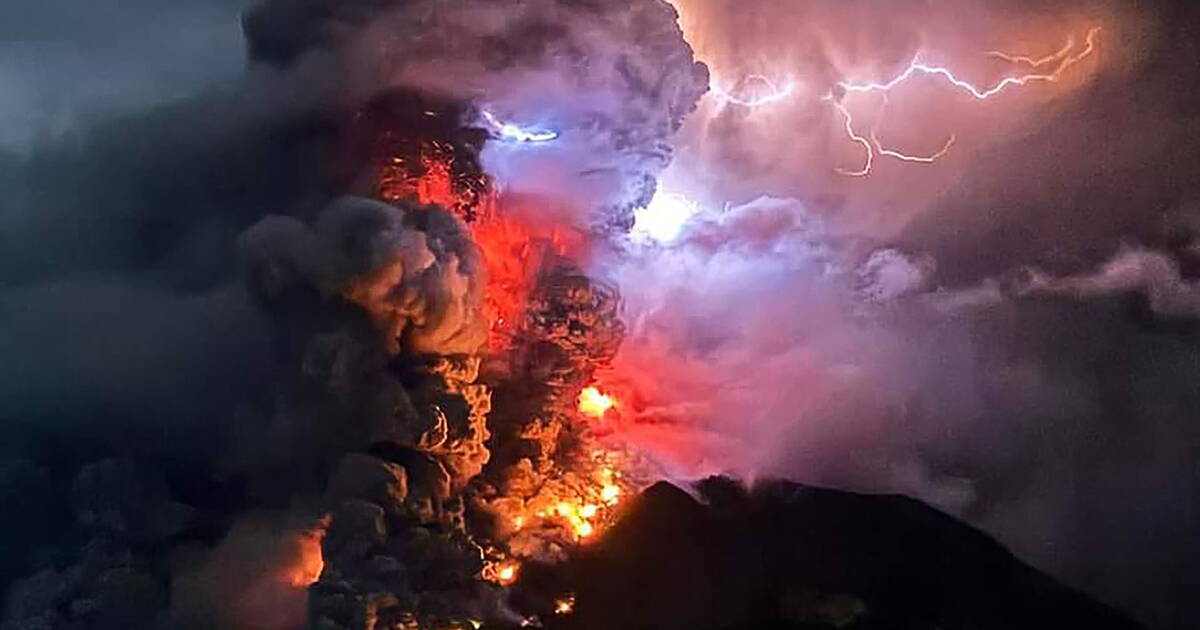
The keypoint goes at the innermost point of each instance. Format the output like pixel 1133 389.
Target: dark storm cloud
pixel 1084 442
pixel 66 62
pixel 122 324
pixel 119 281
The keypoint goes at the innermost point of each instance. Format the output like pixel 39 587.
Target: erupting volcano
pixel 488 315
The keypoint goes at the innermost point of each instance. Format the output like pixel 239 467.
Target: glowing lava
pixel 564 605
pixel 578 516
pixel 506 573
pixel 585 515
pixel 594 403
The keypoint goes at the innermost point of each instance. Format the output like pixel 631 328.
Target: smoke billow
pixel 612 80
pixel 761 339
pixel 214 341
pixel 421 287
pixel 258 577
pixel 1154 275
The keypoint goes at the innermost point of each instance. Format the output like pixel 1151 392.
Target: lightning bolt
pixel 773 93
pixel 1063 59
pixel 872 144
pixel 866 143
pixel 1060 61
pixel 917 67
pixel 510 132
pixel 1037 63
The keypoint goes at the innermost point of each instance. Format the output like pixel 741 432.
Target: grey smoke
pixel 423 288
pixel 613 79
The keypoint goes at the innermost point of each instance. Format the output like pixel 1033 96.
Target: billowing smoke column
pixel 383 407
pixel 509 117
pixel 412 186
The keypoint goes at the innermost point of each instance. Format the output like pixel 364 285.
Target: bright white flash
pixel 663 219
pixel 515 133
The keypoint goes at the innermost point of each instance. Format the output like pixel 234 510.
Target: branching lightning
pixel 873 146
pixel 926 159
pixel 1037 63
pixel 917 67
pixel 866 143
pixel 1063 58
pixel 772 92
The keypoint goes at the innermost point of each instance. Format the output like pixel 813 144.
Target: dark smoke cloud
pixel 423 288
pixel 179 288
pixel 127 329
pixel 256 579
pixel 612 79
pixel 63 65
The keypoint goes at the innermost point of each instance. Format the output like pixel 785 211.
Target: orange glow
pixel 503 573
pixel 579 505
pixel 594 403
pixel 518 241
pixel 511 257
pixel 429 181
pixel 578 517
pixel 437 186
pixel 513 249
pixel 565 605
pixel 508 574
pixel 610 493
pixel 257 577
pixel 307 561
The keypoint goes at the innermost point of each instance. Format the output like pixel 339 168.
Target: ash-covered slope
pixel 784 555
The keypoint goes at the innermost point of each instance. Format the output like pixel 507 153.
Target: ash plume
pixel 415 273
pixel 613 80
pixel 266 387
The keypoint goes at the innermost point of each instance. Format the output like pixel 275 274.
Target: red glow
pixel 514 250
pixel 514 241
pixel 437 185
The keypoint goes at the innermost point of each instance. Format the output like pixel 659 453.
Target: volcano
pixel 410 328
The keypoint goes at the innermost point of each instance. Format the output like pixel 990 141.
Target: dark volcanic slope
pixel 783 555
